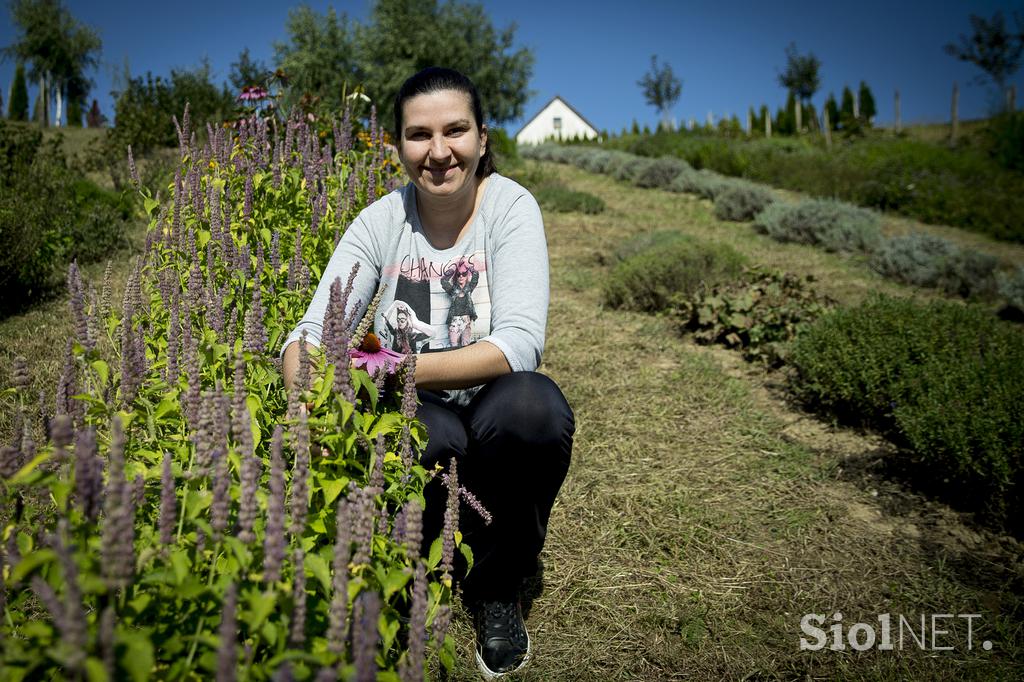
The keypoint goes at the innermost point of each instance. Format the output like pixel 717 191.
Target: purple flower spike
pixel 168 502
pixel 273 541
pixel 451 520
pixel 442 619
pixel 255 335
pixel 71 621
pixel 88 474
pixel 413 529
pixel 300 477
pixel 338 614
pixel 247 205
pixel 365 638
pixel 76 290
pixel 362 528
pixel 20 377
pixel 133 172
pixel 118 528
pixel 227 654
pixel 376 482
pixel 220 508
pixel 412 666
pixel 297 636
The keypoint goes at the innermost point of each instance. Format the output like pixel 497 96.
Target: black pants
pixel 512 444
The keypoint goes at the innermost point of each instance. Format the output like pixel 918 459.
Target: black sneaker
pixel 502 643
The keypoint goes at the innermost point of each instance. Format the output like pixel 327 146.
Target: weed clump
pixel 741 201
pixel 833 225
pixel 759 314
pixel 649 279
pixel 944 380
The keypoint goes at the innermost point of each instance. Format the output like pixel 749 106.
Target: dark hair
pixel 435 79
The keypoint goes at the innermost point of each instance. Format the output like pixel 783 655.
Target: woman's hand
pixel 460 368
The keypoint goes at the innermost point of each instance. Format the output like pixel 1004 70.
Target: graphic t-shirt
pixel 490 286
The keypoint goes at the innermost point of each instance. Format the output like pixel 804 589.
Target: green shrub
pixel 943 379
pixel 1011 290
pixel 556 197
pixel 659 173
pixel 928 261
pixel 759 314
pixel 1005 140
pixel 704 183
pixel 834 225
pixel 650 279
pixel 631 168
pixel 502 146
pixel 49 216
pixel 742 201
pixel 916 258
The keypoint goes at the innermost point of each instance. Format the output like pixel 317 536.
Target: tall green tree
pixel 661 89
pixel 833 111
pixel 319 57
pixel 846 106
pixel 801 76
pixel 868 111
pixel 17 108
pixel 57 48
pixel 991 47
pixel 247 71
pixel 405 36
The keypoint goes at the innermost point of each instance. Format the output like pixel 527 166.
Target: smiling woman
pixel 458 261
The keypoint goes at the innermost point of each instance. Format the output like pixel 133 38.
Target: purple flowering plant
pixel 180 520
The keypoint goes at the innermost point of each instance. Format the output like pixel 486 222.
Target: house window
pixel 558 122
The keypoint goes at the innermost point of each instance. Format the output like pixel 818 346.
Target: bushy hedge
pixel 930 182
pixel 944 379
pixel 833 225
pixel 671 266
pixel 660 173
pixel 49 215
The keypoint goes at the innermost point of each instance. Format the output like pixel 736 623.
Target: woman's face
pixel 441 145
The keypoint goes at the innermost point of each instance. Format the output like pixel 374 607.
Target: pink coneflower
pixel 253 93
pixel 372 357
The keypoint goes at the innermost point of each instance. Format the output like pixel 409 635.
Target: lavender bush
pixel 185 517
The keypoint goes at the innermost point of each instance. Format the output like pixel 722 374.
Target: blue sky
pixel 728 55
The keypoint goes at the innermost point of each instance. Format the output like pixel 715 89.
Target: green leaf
pixel 168 405
pixel 27 473
pixel 261 604
pixel 332 488
pixel 151 205
pixel 396 579
pixel 182 564
pixel 95 671
pixel 139 661
pixel 468 554
pixel 317 566
pixel 30 563
pixel 102 370
pixel 434 558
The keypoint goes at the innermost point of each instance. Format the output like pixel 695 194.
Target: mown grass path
pixel 703 516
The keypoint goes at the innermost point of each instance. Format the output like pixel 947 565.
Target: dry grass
pixel 702 516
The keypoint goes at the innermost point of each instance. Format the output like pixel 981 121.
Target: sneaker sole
pixel 491 675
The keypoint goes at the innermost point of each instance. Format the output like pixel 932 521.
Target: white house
pixel 556 119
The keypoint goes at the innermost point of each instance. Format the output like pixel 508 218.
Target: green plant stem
pixel 199 625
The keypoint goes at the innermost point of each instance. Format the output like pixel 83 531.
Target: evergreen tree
pixel 95 118
pixel 801 75
pixel 247 71
pixel 992 48
pixel 75 113
pixel 833 111
pixel 867 104
pixel 636 128
pixel 17 108
pixel 846 107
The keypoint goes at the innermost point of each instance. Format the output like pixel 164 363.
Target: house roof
pixel 541 111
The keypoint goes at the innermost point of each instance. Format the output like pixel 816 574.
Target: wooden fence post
pixel 827 127
pixel 799 115
pixel 954 130
pixel 767 124
pixel 897 110
pixel 750 123
pixel 1011 99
